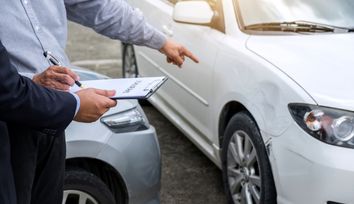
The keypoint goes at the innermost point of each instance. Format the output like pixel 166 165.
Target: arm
pixel 115 19
pixel 25 103
pixel 118 20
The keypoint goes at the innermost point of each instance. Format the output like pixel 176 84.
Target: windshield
pixel 339 13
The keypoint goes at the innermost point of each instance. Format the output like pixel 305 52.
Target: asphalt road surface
pixel 188 177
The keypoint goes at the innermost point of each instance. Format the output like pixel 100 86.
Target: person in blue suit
pixel 28 105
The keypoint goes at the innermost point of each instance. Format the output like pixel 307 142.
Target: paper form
pixel 126 88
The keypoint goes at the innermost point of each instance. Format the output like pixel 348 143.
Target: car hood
pixel 323 65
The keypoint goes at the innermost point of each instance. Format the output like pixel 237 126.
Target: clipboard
pixel 128 88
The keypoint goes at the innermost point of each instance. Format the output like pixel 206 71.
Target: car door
pixel 188 92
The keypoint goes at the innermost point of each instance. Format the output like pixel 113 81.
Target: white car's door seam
pixel 195 95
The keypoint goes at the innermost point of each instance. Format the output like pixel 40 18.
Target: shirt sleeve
pixel 77 103
pixel 115 19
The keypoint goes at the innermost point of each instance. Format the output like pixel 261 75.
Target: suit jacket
pixel 7 185
pixel 27 105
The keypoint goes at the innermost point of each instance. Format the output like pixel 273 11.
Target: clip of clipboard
pixel 155 88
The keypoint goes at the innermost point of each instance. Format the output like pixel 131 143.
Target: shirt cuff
pixel 157 41
pixel 28 75
pixel 77 102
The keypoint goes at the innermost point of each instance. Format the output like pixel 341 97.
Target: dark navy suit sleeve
pixel 27 104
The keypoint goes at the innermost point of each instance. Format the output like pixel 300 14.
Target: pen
pixel 48 55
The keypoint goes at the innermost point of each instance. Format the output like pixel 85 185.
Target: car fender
pixel 259 86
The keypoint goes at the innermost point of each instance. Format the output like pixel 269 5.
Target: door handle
pixel 167 30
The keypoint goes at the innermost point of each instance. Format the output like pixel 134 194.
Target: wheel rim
pixel 78 197
pixel 243 172
pixel 130 66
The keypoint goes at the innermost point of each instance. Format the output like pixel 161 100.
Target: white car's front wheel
pixel 247 173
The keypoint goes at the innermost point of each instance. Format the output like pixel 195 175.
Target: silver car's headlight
pixel 332 126
pixel 127 121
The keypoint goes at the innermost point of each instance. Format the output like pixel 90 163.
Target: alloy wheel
pixel 78 197
pixel 243 172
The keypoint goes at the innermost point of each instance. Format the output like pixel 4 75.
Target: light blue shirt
pixel 30 27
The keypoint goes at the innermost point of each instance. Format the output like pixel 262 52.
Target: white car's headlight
pixel 127 121
pixel 329 125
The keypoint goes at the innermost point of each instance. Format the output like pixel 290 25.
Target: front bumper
pixel 309 171
pixel 136 156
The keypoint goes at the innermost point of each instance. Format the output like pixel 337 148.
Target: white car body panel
pixel 322 67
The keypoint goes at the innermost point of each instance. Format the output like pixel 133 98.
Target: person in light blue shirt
pixel 28 28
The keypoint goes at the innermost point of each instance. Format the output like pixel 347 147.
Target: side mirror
pixel 193 12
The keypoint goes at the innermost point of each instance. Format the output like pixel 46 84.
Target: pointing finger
pixel 189 54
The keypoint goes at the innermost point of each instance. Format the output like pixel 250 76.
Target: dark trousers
pixel 38 162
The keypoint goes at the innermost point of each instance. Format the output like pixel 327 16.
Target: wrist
pixel 157 41
pixel 35 78
pixel 164 46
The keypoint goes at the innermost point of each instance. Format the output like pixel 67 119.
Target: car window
pixel 331 12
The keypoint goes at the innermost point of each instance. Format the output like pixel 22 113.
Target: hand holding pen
pixel 56 77
pixel 48 55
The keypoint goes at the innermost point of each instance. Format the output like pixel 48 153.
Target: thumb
pixel 107 93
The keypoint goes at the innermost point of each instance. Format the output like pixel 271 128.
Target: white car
pixel 271 101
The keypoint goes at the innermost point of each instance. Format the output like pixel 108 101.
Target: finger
pixel 111 103
pixel 177 60
pixel 107 93
pixel 171 61
pixel 64 78
pixel 186 52
pixel 65 70
pixel 111 93
pixel 175 63
pixel 59 86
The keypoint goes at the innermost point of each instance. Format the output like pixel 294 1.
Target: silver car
pixel 115 160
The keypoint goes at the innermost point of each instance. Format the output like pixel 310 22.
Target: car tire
pixel 247 173
pixel 80 184
pixel 130 66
